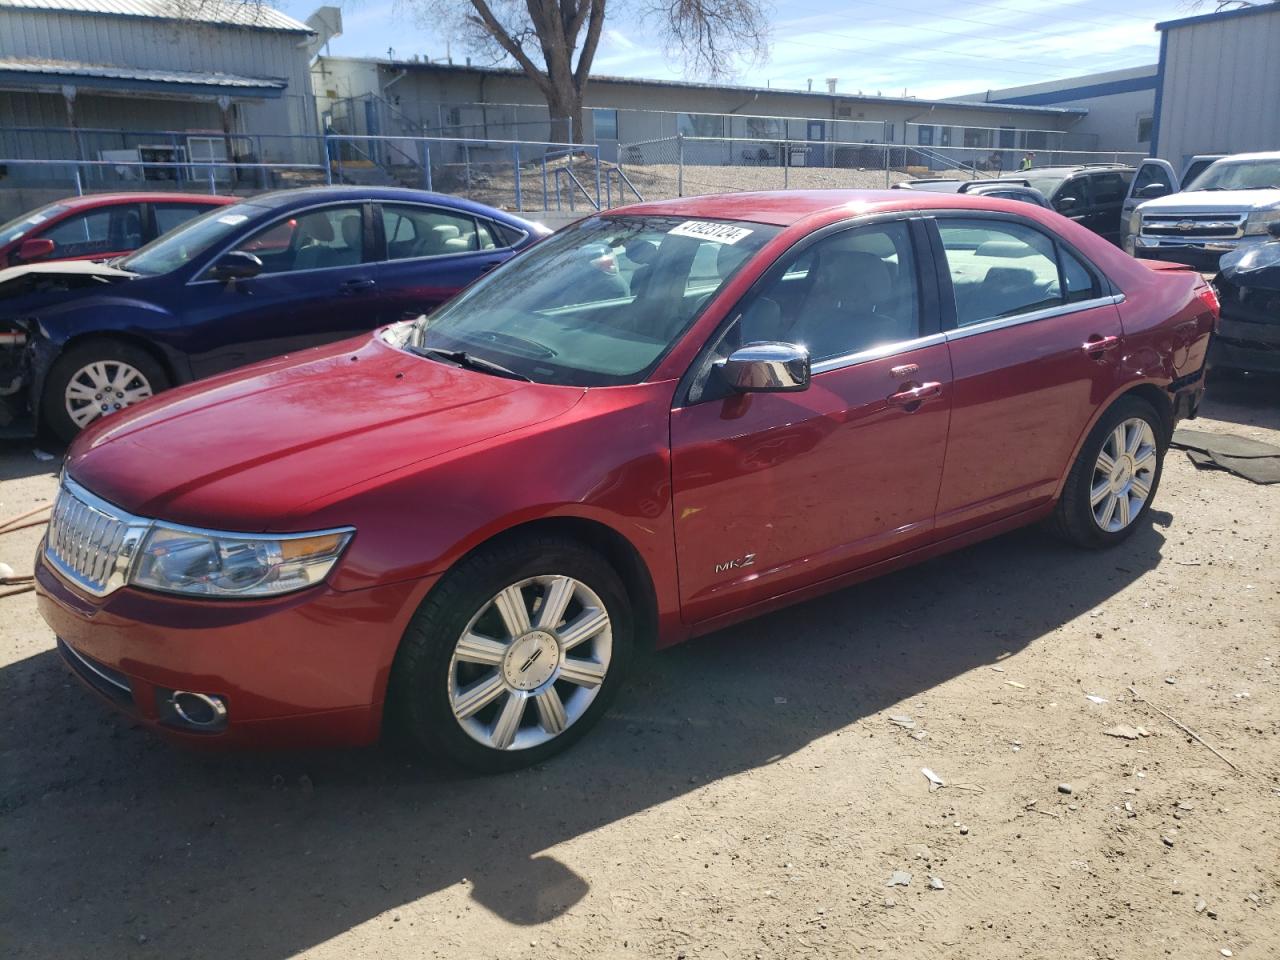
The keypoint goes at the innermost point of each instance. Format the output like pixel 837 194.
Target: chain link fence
pixel 688 166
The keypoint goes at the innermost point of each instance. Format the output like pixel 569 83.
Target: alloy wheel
pixel 530 662
pixel 1123 474
pixel 102 387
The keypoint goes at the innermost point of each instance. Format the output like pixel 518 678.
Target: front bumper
pixel 304 670
pixel 1201 254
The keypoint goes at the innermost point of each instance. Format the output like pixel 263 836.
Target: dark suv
pixel 1091 194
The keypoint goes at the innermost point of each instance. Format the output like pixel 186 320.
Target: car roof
pixel 107 199
pixel 1066 171
pixel 1262 155
pixel 786 207
pixel 306 196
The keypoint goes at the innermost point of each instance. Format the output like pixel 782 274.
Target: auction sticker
pixel 715 232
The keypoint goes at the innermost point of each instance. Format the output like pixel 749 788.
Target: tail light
pixel 1209 297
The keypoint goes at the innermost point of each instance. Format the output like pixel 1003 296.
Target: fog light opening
pixel 199 710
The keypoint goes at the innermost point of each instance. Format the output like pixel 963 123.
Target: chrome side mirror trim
pixel 769 367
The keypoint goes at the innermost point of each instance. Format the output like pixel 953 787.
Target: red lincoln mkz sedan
pixel 663 419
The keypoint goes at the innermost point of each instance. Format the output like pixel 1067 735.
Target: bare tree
pixel 542 37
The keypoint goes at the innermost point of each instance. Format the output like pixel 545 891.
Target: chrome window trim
pixel 1000 323
pixel 876 353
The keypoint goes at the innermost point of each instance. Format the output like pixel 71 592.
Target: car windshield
pixel 1239 175
pixel 183 244
pixel 19 226
pixel 597 304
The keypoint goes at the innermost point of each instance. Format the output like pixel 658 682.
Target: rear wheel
pixel 514 655
pixel 1115 476
pixel 95 378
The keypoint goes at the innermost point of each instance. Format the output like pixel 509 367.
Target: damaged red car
pixel 662 420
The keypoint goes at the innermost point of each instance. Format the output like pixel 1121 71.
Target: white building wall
pixel 1221 80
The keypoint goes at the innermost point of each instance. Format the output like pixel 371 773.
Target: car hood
pixel 248 451
pixel 67 268
pixel 1213 201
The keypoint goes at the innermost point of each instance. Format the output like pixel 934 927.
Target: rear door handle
pixel 1096 346
pixel 351 287
pixel 914 396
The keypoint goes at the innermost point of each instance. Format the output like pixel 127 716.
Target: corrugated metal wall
pixel 1221 78
pixel 154 44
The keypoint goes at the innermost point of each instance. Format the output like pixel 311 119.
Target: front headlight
pixel 206 563
pixel 1259 221
pixel 1135 222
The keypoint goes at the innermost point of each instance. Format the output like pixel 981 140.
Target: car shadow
pixel 108 834
pixel 18 460
pixel 1249 399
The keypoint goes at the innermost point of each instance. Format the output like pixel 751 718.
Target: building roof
pixel 735 88
pixel 27 73
pixel 234 13
pixel 1220 15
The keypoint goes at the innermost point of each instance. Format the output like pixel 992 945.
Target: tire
pixel 436 682
pixel 87 369
pixel 1080 514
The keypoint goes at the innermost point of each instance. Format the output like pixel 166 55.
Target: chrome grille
pixel 1175 226
pixel 90 541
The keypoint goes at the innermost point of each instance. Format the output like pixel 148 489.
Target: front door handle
pixel 351 287
pixel 1096 346
pixel 912 397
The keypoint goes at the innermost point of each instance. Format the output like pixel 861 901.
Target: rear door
pixel 317 285
pixel 776 491
pixel 431 253
pixel 1035 343
pixel 1073 199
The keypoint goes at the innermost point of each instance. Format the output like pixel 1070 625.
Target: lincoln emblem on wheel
pixel 656 423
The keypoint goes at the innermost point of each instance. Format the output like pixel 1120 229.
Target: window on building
pixel 1144 129
pixel 700 124
pixel 924 136
pixel 606 124
pixel 944 136
pixel 977 137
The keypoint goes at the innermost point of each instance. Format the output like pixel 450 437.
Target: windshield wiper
pixel 470 361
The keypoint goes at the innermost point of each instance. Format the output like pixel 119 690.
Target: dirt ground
pixel 748 796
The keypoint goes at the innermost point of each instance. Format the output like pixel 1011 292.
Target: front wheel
pixel 95 378
pixel 1115 476
pixel 514 655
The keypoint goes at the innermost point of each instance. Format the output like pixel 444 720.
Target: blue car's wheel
pixel 95 378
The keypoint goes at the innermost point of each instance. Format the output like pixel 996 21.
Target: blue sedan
pixel 271 274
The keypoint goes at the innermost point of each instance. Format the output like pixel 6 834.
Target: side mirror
pixel 37 248
pixel 1063 204
pixel 1274 230
pixel 235 265
pixel 1154 190
pixel 767 368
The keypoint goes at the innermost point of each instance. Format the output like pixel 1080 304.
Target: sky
pixel 923 48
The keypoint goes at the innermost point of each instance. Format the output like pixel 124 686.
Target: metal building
pixel 74 74
pixel 1217 82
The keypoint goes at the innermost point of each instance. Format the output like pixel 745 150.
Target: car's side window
pixel 1077 189
pixel 1002 269
pixel 1108 188
pixel 414 231
pixel 170 215
pixel 1150 173
pixel 848 292
pixel 108 230
pixel 312 240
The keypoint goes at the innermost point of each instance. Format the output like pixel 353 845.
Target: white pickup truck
pixel 1232 202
